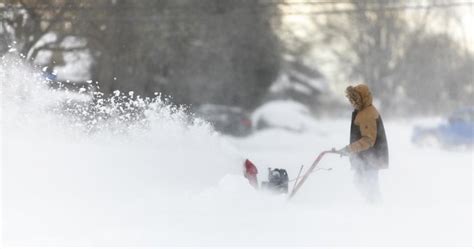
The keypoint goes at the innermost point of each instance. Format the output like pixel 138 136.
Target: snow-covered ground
pixel 427 193
pixel 178 184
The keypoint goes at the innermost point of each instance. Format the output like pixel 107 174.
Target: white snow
pixel 181 185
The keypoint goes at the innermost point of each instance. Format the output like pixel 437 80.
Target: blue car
pixel 458 130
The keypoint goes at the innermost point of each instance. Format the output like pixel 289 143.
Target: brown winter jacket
pixel 368 142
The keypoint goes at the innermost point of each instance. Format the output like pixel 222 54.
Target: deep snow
pixel 180 184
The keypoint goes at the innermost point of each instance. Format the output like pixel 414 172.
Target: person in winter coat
pixel 368 149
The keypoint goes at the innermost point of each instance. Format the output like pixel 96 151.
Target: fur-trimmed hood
pixel 360 95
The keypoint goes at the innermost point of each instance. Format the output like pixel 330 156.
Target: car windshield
pixel 466 116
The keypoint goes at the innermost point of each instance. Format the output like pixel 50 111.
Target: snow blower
pixel 278 178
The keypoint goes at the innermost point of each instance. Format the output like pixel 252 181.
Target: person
pixel 368 149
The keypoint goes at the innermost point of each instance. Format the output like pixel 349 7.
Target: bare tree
pixel 30 20
pixel 391 46
pixel 215 51
pixel 436 75
pixel 372 39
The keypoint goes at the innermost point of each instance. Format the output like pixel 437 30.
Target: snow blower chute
pixel 277 181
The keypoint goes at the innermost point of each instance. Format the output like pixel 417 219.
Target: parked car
pixel 228 120
pixel 283 114
pixel 456 130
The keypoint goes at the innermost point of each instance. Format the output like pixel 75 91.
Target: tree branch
pixel 41 32
pixel 62 49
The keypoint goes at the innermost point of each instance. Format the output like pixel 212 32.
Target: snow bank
pixel 76 172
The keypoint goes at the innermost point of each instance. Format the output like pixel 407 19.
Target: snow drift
pixel 75 171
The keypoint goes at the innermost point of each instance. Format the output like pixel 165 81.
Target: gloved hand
pixel 344 151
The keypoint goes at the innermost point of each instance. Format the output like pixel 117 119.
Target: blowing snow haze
pixel 127 123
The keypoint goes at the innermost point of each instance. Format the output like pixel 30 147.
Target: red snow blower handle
pixel 310 170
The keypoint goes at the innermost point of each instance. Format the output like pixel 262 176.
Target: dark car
pixel 457 130
pixel 228 120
